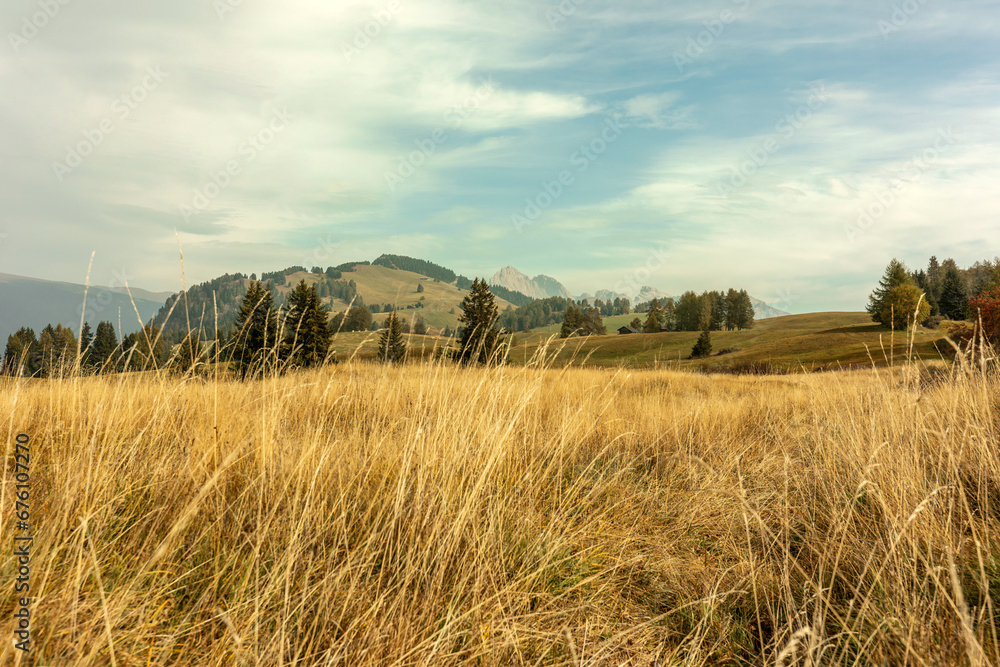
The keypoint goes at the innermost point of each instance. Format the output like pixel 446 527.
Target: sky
pixel 787 148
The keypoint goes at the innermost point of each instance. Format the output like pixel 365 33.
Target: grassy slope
pixel 381 285
pixel 812 340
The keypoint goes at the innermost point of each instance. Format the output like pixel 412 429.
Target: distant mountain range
pixel 389 279
pixel 31 302
pixel 541 287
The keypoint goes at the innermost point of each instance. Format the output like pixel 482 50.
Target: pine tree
pixel 86 340
pixel 954 302
pixel 703 347
pixel 572 322
pixel 718 312
pixel 732 309
pixel 22 355
pixel 306 328
pixel 391 347
pixel 935 277
pixel 744 312
pixel 924 283
pixel 480 340
pixel 688 311
pixel 894 276
pixel 420 327
pixel 652 324
pixel 636 323
pixel 255 333
pixel 104 346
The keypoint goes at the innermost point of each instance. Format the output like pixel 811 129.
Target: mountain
pixel 380 286
pixel 647 293
pixel 32 302
pixel 763 311
pixel 539 287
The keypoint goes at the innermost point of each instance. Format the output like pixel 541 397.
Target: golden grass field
pixel 429 514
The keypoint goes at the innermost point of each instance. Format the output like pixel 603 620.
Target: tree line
pixel 942 291
pixel 552 310
pixel 709 311
pixel 263 338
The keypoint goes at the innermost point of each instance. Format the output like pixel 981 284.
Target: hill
pixel 377 286
pixel 813 341
pixel 31 302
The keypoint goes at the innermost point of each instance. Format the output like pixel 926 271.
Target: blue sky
pixel 791 149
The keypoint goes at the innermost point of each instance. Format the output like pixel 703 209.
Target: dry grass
pixel 434 515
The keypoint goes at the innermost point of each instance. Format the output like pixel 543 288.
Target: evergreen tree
pixel 480 339
pixel 22 355
pixel 703 347
pixel 636 324
pixel 572 322
pixel 420 288
pixel 420 327
pixel 255 334
pixel 923 282
pixel 668 316
pixel 104 346
pixel 935 278
pixel 391 347
pixel 745 313
pixel 307 333
pixel 653 324
pixel 954 301
pixel 717 318
pixel 86 339
pixel 894 276
pixel 732 309
pixel 357 318
pixel 688 312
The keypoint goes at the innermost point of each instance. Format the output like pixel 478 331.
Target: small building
pixel 627 330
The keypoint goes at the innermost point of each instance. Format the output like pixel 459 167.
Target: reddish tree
pixel 985 311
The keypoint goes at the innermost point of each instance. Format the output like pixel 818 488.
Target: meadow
pixel 428 514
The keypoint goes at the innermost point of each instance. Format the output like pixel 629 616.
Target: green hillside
pixel 811 341
pixel 439 302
